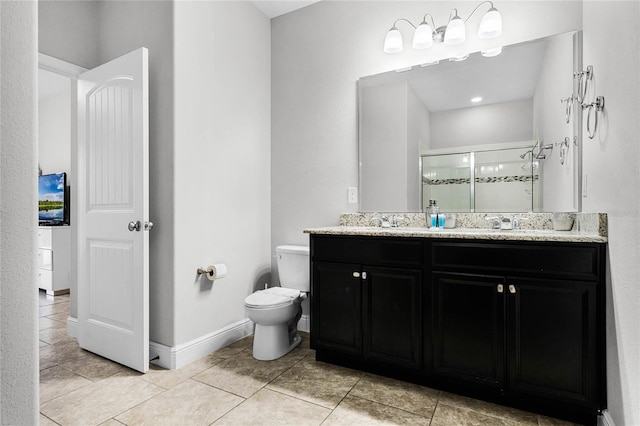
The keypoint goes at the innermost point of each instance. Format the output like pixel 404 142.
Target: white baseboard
pixel 175 357
pixel 605 419
pixel 72 326
pixel 304 324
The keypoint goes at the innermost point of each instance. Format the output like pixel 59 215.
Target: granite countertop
pixel 588 227
pixel 464 233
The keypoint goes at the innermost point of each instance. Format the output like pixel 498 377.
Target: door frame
pixel 71 71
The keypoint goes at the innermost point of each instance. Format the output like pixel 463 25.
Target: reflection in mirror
pixel 487 179
pixel 482 107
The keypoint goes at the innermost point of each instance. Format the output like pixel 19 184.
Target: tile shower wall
pixel 503 182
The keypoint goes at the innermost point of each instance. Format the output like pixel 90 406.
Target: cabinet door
pixel 552 339
pixel 469 328
pixel 336 307
pixel 392 311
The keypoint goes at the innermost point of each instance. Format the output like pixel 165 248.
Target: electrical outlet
pixel 352 194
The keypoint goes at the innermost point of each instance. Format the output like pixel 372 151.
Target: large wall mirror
pixel 495 134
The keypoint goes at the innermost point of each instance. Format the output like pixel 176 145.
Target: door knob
pixel 148 226
pixel 134 226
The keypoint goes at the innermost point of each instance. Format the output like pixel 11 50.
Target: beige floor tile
pixel 59 353
pixel 548 421
pixel 46 322
pixel 188 403
pixel 55 335
pixel 45 421
pixel 316 382
pixel 447 415
pixel 243 375
pixel 170 378
pixel 100 401
pixel 358 411
pixel 416 399
pixel 235 348
pixel 61 317
pixel 58 308
pixel 94 367
pixel 521 417
pixel 111 422
pixel 57 381
pixel 274 408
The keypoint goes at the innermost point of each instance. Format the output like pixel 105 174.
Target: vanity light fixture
pixel 453 33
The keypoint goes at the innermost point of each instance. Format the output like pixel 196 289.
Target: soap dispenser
pixel 434 215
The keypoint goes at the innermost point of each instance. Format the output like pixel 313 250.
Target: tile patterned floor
pixel 229 387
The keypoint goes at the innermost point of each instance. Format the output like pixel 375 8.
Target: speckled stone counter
pixel 588 227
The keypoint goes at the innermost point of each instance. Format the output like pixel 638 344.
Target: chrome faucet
pixel 503 222
pixel 392 221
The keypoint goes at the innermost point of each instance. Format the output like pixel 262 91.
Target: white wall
pixel 54 133
pixel 418 125
pixel 482 125
pixel 551 127
pixel 18 190
pixel 611 162
pixel 383 113
pixel 222 161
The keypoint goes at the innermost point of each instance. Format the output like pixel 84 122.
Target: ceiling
pixel 276 8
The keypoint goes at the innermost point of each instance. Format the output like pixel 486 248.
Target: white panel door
pixel 113 210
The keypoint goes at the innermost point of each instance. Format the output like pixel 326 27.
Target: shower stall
pixel 493 180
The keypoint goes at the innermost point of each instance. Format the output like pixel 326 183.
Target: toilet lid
pixel 273 297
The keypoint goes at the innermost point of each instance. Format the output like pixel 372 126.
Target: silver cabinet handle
pixel 134 226
pixel 500 288
pixel 512 289
pixel 364 275
pixel 356 275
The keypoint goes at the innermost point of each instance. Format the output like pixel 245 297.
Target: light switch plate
pixel 352 194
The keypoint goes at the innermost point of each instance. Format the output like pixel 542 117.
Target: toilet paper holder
pixel 209 271
pixel 214 272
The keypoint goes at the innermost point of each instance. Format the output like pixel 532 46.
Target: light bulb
pixel 393 41
pixel 423 36
pixel 490 53
pixel 455 32
pixel 491 24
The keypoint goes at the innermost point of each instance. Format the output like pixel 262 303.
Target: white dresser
pixel 54 259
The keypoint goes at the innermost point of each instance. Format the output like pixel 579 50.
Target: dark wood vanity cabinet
pixel 516 322
pixel 367 308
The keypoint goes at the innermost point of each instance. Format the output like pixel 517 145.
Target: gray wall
pixel 18 191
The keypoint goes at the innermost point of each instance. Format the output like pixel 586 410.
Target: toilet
pixel 277 310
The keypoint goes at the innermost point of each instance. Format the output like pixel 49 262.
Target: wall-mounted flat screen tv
pixel 53 199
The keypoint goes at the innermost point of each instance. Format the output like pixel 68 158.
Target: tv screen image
pixel 51 198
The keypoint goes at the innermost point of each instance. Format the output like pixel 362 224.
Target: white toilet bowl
pixel 277 310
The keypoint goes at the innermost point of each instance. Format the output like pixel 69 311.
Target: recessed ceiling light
pixel 476 99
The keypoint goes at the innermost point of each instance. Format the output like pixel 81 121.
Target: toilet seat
pixel 273 297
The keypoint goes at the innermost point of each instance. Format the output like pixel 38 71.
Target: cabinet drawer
pixel 45 259
pixel 44 237
pixel 571 260
pixel 45 279
pixel 387 251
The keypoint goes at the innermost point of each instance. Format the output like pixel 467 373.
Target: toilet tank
pixel 293 267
